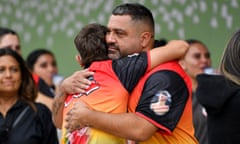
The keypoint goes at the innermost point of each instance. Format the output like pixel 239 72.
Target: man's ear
pixel 146 38
pixel 79 60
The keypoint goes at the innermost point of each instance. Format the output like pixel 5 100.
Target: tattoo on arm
pixel 58 103
pixel 56 107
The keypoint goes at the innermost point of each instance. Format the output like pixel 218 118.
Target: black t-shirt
pixel 172 83
pixel 130 69
pixel 32 128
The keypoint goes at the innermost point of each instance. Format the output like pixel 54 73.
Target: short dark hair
pixel 34 55
pixel 91 43
pixel 136 11
pixel 193 41
pixel 4 31
pixel 160 42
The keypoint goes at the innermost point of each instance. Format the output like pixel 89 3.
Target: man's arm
pixel 127 125
pixel 175 49
pixel 57 109
pixel 130 125
pixel 68 86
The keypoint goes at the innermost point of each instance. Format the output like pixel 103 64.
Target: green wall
pixel 53 24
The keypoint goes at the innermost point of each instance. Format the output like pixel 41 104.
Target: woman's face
pixel 196 60
pixel 45 67
pixel 12 41
pixel 10 74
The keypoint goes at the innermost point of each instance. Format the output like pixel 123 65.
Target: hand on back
pixel 77 82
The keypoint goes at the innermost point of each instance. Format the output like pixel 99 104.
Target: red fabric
pixel 35 78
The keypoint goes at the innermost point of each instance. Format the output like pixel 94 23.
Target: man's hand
pixel 75 116
pixel 126 125
pixel 77 82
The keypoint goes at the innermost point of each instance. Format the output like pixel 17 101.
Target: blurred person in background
pixel 22 121
pixel 9 38
pixel 220 95
pixel 42 63
pixel 195 61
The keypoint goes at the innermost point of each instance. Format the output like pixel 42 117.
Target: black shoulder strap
pixel 20 116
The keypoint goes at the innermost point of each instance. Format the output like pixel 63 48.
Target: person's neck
pixel 6 102
pixel 194 84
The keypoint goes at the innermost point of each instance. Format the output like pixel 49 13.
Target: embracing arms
pixel 78 81
pixel 175 49
pixel 69 85
pixel 127 125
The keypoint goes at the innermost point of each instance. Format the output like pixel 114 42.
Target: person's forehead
pixel 8 59
pixel 9 39
pixel 120 22
pixel 197 47
pixel 45 58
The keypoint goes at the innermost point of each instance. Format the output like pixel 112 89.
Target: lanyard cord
pixel 20 116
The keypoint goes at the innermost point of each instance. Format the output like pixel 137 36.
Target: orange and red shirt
pixel 111 84
pixel 176 125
